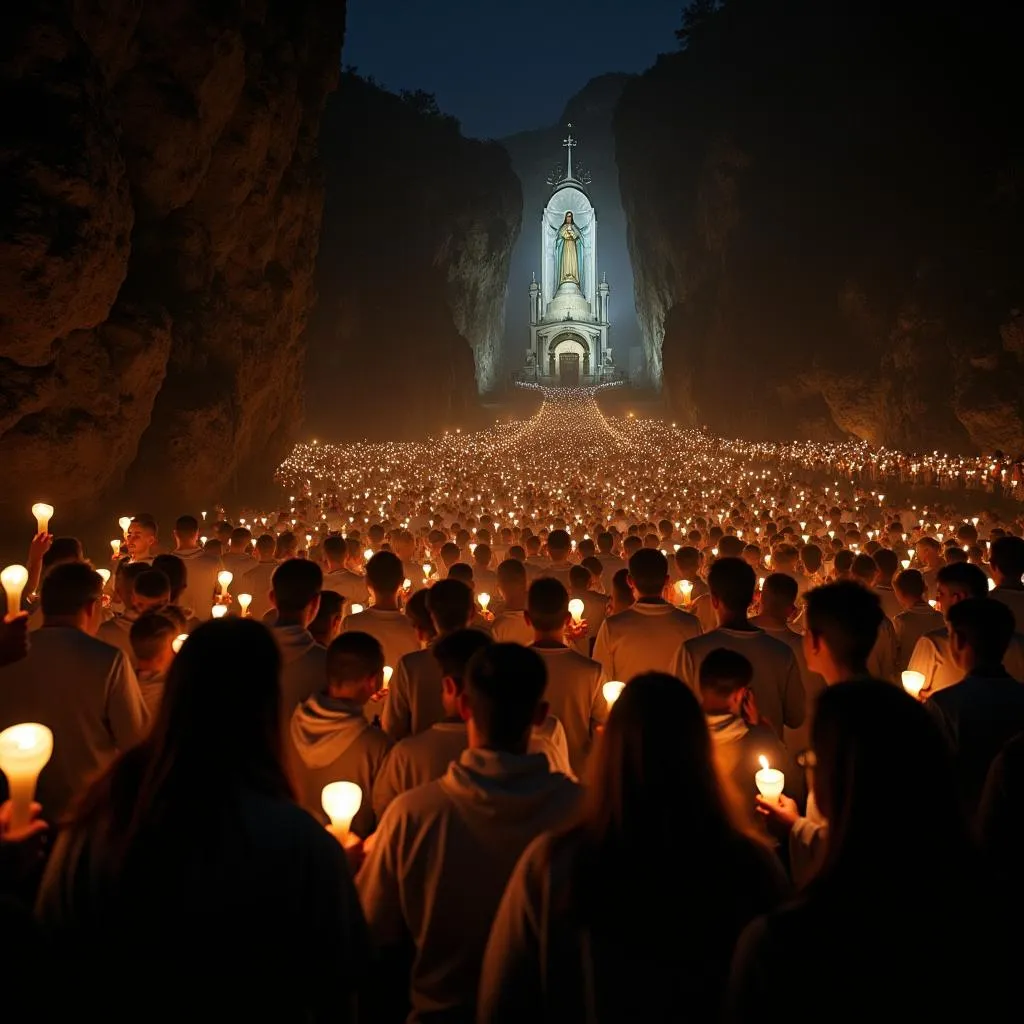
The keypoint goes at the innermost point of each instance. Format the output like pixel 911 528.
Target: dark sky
pixel 501 66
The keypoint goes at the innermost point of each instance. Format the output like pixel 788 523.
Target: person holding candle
pixel 295 594
pixel 414 696
pixel 916 617
pixel 194 836
pixel 444 851
pixel 574 681
pixel 646 636
pixel 201 569
pixel 327 624
pixel 141 539
pixel 777 685
pixel 510 625
pixel 901 912
pixel 1006 561
pixel 82 689
pixel 151 636
pixel 257 579
pixel 982 712
pixel 338 577
pixel 594 610
pixel 384 620
pixel 330 733
pixel 586 930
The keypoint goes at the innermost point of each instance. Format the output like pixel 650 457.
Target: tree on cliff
pixel 696 15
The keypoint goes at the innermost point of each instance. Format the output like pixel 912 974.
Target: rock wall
pixel 162 205
pixel 824 205
pixel 419 224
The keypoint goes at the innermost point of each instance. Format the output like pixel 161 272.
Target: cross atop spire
pixel 569 142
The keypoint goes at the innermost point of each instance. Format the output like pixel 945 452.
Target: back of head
pixel 984 626
pixel 810 555
pixel 605 542
pixel 330 611
pixel 454 652
pixel 174 569
pixel 723 672
pixel 295 585
pixel 1007 555
pixel 152 584
pixel 847 617
pixel 688 559
pixel 353 657
pixel 964 576
pixel 450 553
pixel 909 583
pixel 786 556
pixel 844 560
pixel 730 546
pixel 335 549
pixel 547 604
pixel 150 634
pixel 186 528
pixel 450 603
pixel 461 571
pixel 648 569
pixel 779 591
pixel 886 563
pixel 732 581
pixel 265 546
pixel 69 589
pixel 240 537
pixel 874 745
pixel 559 542
pixel 512 575
pixel 504 685
pixel 63 549
pixel 385 573
pixel 864 569
pixel 579 577
pixel 418 613
pixel 621 589
pixel 287 545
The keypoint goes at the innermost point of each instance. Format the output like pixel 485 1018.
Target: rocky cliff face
pixel 825 216
pixel 161 211
pixel 419 224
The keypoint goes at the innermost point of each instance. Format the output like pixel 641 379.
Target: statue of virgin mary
pixel 569 253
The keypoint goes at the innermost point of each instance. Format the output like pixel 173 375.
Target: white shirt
pixel 394 631
pixel 511 627
pixel 643 638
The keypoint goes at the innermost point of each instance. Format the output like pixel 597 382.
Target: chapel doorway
pixel 569 369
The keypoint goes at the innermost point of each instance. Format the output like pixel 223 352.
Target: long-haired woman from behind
pixel 632 914
pixel 899 918
pixel 187 879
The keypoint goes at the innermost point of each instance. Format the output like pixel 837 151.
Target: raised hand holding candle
pixel 224 578
pixel 43 514
pixel 770 781
pixel 13 579
pixel 24 751
pixel 124 522
pixel 341 802
pixel 611 691
pixel 576 607
pixel 244 600
pixel 913 683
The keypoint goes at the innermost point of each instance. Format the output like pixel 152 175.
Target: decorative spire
pixel 569 143
pixel 556 177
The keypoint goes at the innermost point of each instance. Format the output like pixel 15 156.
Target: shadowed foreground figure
pixel 632 914
pixel 901 914
pixel 188 876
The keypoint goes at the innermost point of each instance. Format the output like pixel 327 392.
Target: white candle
pixel 224 578
pixel 13 579
pixel 685 588
pixel 24 751
pixel 104 575
pixel 388 673
pixel 356 609
pixel 611 691
pixel 43 514
pixel 576 607
pixel 124 522
pixel 218 611
pixel 407 584
pixel 769 781
pixel 913 683
pixel 177 642
pixel 368 554
pixel 905 563
pixel 115 547
pixel 244 600
pixel 426 570
pixel 991 583
pixel 341 801
pixel 485 600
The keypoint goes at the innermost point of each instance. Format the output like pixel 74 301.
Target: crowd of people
pixel 629 746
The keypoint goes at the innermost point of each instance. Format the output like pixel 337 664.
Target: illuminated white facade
pixel 569 315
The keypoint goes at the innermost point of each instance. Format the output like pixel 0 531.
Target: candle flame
pixel 763 762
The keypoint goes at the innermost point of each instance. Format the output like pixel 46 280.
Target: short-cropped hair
pixel 354 656
pixel 68 588
pixel 296 583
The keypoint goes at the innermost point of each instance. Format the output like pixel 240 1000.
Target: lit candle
pixel 341 801
pixel 219 611
pixel 124 522
pixel 407 584
pixel 43 514
pixel 769 781
pixel 115 547
pixel 685 588
pixel 24 751
pixel 178 641
pixel 913 683
pixel 224 578
pixel 388 673
pixel 426 570
pixel 14 578
pixel 768 561
pixel 991 583
pixel 356 609
pixel 576 607
pixel 368 554
pixel 611 692
pixel 905 563
pixel 244 600
pixel 104 575
pixel 933 603
pixel 485 600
